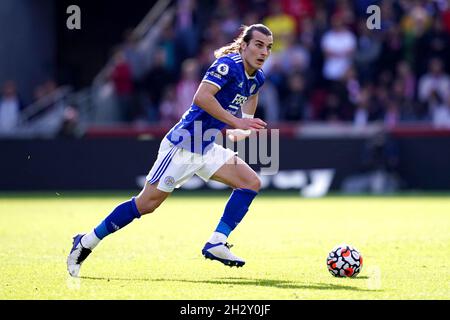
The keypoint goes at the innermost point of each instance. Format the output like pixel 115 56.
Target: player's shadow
pixel 281 284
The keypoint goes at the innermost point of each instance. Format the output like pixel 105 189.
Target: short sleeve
pixel 220 72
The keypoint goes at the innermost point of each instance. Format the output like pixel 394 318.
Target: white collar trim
pixel 250 77
pixel 246 74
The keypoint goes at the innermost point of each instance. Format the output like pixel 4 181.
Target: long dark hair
pixel 245 36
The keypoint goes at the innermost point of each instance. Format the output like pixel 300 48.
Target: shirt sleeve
pixel 220 72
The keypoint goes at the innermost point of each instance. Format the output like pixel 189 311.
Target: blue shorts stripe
pixel 162 163
pixel 162 171
pixel 163 168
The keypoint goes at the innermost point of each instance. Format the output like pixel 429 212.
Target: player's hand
pixel 250 124
pixel 238 134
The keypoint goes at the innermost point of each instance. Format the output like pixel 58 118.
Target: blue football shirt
pixel 197 129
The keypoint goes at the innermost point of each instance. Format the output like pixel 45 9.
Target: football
pixel 344 261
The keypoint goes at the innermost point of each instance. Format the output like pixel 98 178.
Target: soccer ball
pixel 344 261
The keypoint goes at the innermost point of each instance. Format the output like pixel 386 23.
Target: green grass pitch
pixel 405 243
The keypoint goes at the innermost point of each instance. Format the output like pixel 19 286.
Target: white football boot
pixel 221 252
pixel 76 256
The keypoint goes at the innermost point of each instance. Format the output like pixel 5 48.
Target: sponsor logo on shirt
pixel 239 100
pixel 215 75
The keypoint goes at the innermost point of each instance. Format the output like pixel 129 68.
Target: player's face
pixel 256 52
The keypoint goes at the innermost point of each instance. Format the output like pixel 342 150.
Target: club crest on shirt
pixel 253 87
pixel 169 181
pixel 223 69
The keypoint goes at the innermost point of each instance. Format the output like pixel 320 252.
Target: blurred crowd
pixel 47 115
pixel 326 64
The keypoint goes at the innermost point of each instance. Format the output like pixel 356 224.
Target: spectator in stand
pixel 311 34
pixel 368 51
pixel 10 108
pixel 186 86
pixel 361 115
pixel 38 92
pixel 408 80
pixel 445 15
pixel 122 79
pixel 434 43
pixel 250 18
pixel 43 98
pixel 332 109
pixel 155 82
pixel 392 50
pixel 70 126
pixel 344 9
pixel 299 10
pixel 352 85
pixel 168 107
pixel 282 25
pixel 230 23
pixel 295 57
pixel 414 24
pixel 434 80
pixel 187 29
pixel 276 75
pixel 385 79
pixel 168 45
pixel 206 57
pixel 338 45
pixel 133 56
pixel 295 104
pixel 268 103
pixel 49 86
pixel 346 91
pixel 392 115
pixel 387 14
pixel 214 35
pixel 439 111
pixel 398 106
pixel 227 14
pixel 382 95
pixel 370 105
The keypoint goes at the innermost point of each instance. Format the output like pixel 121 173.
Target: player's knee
pixel 150 199
pixel 146 206
pixel 254 183
pixel 257 184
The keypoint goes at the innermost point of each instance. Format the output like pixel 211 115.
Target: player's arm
pixel 248 112
pixel 249 108
pixel 205 99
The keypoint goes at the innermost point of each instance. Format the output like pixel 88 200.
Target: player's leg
pixel 246 184
pixel 150 198
pixel 146 202
pixel 237 174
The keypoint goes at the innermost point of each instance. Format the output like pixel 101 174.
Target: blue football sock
pixel 235 210
pixel 122 215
